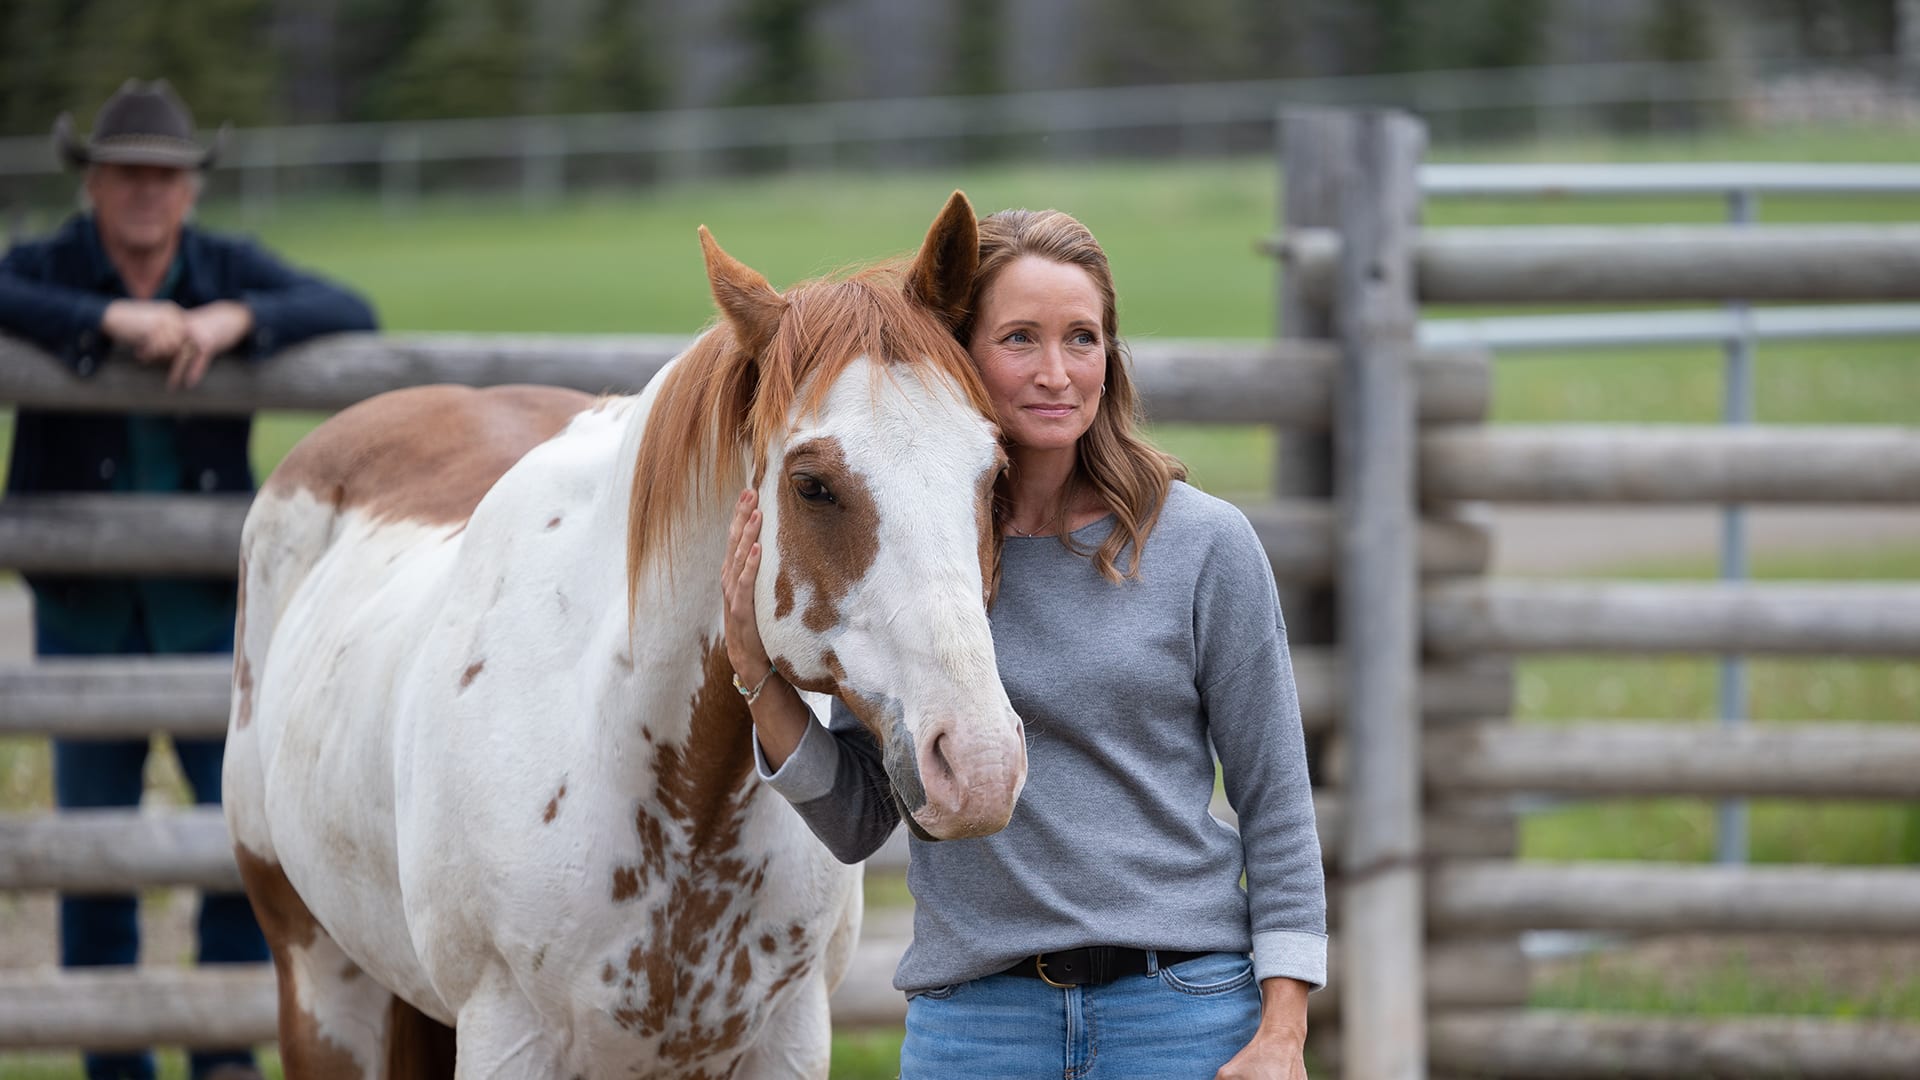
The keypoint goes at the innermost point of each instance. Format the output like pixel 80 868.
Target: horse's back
pixel 337 570
pixel 427 454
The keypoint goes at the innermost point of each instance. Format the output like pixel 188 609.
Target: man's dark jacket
pixel 53 293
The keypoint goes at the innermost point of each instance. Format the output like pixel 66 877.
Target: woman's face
pixel 1038 343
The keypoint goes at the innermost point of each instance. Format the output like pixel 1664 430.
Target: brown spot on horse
pixel 426 454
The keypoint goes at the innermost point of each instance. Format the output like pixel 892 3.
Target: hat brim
pixel 134 149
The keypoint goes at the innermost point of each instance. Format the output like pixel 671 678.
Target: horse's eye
pixel 811 489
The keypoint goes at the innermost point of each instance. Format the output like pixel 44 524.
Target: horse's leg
pixel 501 1037
pixel 797 1040
pixel 333 1018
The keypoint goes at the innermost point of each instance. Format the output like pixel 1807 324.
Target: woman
pixel 1136 625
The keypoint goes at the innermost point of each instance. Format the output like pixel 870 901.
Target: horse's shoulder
pixel 425 454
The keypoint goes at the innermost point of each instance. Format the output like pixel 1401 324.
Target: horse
pixel 491 789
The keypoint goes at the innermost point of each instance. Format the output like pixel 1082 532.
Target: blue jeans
pixel 105 929
pixel 1173 1023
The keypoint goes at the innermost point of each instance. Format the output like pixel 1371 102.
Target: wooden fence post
pixel 1383 1031
pixel 1311 142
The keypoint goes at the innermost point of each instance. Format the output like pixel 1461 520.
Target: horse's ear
pixel 749 304
pixel 941 277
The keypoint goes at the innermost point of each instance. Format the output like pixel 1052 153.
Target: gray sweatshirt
pixel 1122 687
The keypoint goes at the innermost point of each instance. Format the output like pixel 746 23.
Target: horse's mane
pixel 717 403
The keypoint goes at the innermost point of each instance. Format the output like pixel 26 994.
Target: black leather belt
pixel 1095 965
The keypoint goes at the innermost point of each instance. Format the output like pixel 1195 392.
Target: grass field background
pixel 1181 238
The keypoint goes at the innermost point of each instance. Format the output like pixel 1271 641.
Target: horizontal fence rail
pixel 1837 619
pixel 1597 1046
pixel 199 536
pixel 1826 760
pixel 1288 383
pixel 1485 896
pixel 1645 463
pixel 228 1005
pixel 115 850
pixel 116 698
pixel 1640 264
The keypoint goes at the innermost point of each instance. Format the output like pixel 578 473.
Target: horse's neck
pixel 694 721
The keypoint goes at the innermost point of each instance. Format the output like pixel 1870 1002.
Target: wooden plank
pixel 1830 760
pixel 1486 896
pixel 1312 144
pixel 1456 829
pixel 117 851
pixel 229 1005
pixel 1299 536
pixel 147 535
pixel 1289 383
pixel 117 698
pixel 1578 1046
pixel 199 536
pixel 1377 320
pixel 1630 264
pixel 1670 463
pixel 134 1008
pixel 1841 619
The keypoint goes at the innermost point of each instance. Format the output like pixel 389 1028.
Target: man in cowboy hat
pixel 131 278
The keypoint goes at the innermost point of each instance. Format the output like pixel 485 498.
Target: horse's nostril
pixel 937 756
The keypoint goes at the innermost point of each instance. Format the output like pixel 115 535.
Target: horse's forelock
pixel 718 408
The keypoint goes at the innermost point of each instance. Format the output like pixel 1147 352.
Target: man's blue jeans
pixel 1178 1022
pixel 104 929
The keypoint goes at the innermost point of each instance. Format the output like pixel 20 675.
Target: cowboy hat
pixel 144 123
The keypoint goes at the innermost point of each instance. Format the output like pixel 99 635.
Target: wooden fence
pixel 198 536
pixel 1386 458
pixel 1356 269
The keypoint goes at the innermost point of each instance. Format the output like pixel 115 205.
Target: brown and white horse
pixel 485 769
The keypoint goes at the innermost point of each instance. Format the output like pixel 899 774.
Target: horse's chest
pixel 698 953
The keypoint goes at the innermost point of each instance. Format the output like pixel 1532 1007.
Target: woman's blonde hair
pixel 1127 474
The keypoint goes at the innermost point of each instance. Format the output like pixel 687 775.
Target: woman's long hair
pixel 1124 472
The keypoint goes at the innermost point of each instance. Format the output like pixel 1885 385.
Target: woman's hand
pixel 1278 1049
pixel 737 574
pixel 780 718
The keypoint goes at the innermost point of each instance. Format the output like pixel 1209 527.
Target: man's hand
pixel 156 330
pixel 212 329
pixel 1278 1049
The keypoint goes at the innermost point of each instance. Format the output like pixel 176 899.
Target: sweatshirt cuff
pixel 1291 954
pixel 808 772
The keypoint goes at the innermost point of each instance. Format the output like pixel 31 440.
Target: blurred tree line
pixel 273 61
